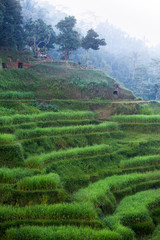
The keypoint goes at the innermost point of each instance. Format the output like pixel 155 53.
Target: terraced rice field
pixel 66 175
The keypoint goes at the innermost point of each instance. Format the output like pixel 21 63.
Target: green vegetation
pixel 16 95
pixel 38 132
pixel 8 175
pixel 136 118
pixel 141 161
pixel 100 192
pixel 63 233
pixel 134 210
pixel 156 234
pixel 75 153
pixel 7 139
pixel 56 211
pixel 49 181
pixel 66 171
pixel 48 116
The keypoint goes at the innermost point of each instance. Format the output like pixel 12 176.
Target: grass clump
pixel 38 132
pixel 8 175
pixel 63 233
pixel 156 234
pixel 39 182
pixel 50 212
pixel 16 95
pixel 136 118
pixel 47 116
pixel 75 153
pixel 7 138
pixel 100 192
pixel 140 161
pixel 135 209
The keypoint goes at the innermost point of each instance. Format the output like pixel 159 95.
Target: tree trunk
pixel 86 58
pixel 66 54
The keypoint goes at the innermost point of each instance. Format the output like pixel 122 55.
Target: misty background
pixel 132 60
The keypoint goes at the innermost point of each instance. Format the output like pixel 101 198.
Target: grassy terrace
pixel 63 233
pixel 67 175
pixel 75 153
pixel 48 116
pixel 101 192
pixel 38 132
pixel 136 118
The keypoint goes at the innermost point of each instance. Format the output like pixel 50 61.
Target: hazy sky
pixel 140 18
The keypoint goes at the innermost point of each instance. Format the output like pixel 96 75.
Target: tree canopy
pixel 11 24
pixel 68 38
pixel 91 41
pixel 39 35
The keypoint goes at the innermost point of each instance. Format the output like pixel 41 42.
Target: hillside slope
pixel 59 80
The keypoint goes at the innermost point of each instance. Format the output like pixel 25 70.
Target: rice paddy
pixel 67 175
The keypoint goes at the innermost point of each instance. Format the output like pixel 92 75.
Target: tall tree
pixel 91 41
pixel 11 24
pixel 39 35
pixel 68 38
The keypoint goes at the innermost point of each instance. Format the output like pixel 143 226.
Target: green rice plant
pixel 39 182
pixel 114 224
pixel 47 116
pixel 38 132
pixel 7 139
pixel 156 234
pixel 16 95
pixel 11 155
pixel 100 191
pixel 135 209
pixel 62 233
pixel 73 153
pixel 140 161
pixel 13 175
pixel 48 212
pixel 136 118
